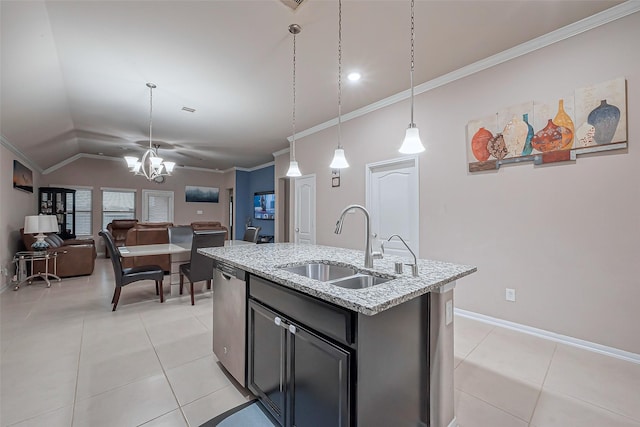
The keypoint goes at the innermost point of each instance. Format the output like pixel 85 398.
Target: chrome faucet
pixel 369 255
pixel 414 266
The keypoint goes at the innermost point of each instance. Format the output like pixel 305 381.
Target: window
pixel 82 210
pixel 157 206
pixel 118 204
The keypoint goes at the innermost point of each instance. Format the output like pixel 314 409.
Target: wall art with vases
pixel 591 119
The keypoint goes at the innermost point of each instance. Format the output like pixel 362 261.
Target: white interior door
pixel 305 210
pixel 157 206
pixel 393 201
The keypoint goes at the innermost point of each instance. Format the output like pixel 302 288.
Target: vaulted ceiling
pixel 74 73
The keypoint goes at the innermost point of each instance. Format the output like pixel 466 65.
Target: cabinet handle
pixel 277 321
pixel 292 329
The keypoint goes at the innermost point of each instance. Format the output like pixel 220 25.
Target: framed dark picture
pixel 201 194
pixel 22 177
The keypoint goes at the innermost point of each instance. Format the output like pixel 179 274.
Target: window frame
pixel 116 190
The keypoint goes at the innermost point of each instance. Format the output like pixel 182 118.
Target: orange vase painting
pixel 591 119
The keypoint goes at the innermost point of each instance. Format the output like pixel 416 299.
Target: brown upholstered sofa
pixel 76 257
pixel 148 233
pixel 118 229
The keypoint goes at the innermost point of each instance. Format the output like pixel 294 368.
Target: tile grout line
pixel 493 406
pixel 75 391
pixel 477 345
pixel 164 372
pixel 535 407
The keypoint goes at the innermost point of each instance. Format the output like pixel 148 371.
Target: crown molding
pixel 255 168
pixel 114 159
pixel 281 152
pixel 9 146
pixel 612 14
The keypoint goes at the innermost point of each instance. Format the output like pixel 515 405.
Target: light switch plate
pixel 198 212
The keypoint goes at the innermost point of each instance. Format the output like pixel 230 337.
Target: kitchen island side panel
pixel 393 366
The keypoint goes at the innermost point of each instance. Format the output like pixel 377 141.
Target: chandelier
pixel 151 166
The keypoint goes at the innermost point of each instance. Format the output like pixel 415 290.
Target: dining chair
pixel 180 234
pixel 251 234
pixel 201 267
pixel 125 276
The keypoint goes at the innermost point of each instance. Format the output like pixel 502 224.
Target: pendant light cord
pixel 412 60
pixel 293 121
pixel 150 116
pixel 339 73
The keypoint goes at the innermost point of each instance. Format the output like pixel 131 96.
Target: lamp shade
pixel 411 143
pixel 36 224
pixel 294 170
pixel 339 160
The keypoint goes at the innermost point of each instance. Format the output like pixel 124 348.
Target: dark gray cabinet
pixel 302 377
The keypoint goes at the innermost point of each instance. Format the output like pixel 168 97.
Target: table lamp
pixel 38 225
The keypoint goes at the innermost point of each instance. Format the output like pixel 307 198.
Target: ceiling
pixel 74 73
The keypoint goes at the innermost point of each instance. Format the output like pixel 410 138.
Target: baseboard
pixel 541 333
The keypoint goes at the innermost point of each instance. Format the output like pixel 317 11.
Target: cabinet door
pixel 267 359
pixel 319 374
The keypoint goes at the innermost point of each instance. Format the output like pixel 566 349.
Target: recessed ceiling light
pixel 354 77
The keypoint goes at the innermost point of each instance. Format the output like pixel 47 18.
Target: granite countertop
pixel 265 260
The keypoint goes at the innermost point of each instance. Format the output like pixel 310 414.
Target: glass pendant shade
pixel 412 143
pixel 339 160
pixel 294 170
pixel 169 166
pixel 131 161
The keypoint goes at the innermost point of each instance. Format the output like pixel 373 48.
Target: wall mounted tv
pixel 264 205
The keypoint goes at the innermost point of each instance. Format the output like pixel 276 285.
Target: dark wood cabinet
pixel 60 202
pixel 302 378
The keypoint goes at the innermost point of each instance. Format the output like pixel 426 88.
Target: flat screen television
pixel 264 205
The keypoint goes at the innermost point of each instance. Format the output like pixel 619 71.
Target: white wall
pixel 565 236
pixel 14 206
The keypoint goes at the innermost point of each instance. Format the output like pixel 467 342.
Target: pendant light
pixel 151 166
pixel 294 170
pixel 339 160
pixel 412 143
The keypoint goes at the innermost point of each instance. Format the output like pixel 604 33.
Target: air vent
pixel 293 4
pixel 189 110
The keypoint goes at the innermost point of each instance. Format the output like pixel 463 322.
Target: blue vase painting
pixel 604 118
pixel 527 143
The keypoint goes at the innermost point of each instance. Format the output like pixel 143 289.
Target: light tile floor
pixel 67 360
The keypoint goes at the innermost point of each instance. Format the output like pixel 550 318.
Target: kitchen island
pixel 321 354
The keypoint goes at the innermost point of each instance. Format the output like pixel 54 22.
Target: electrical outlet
pixel 448 312
pixel 198 212
pixel 510 294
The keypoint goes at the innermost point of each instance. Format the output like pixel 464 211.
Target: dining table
pixel 180 253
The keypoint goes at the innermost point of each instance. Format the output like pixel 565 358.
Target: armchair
pixel 118 229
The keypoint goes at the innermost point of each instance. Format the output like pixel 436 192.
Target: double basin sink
pixel 338 275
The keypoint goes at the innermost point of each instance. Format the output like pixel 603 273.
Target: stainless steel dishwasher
pixel 230 319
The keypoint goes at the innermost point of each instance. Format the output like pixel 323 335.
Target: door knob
pixel 297 230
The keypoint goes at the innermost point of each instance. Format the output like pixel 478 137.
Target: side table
pixel 21 258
